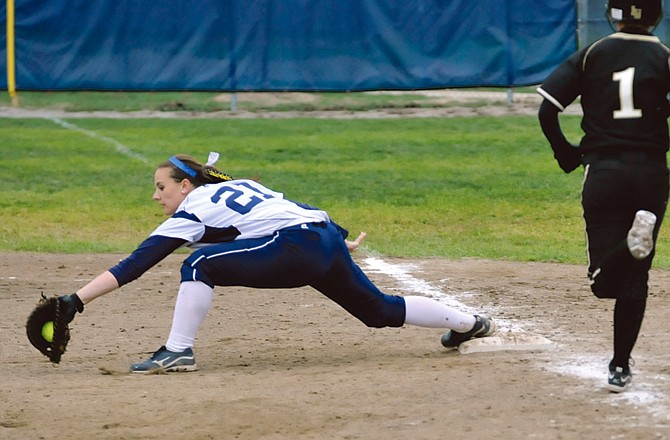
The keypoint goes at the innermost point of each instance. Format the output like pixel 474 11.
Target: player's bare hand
pixel 353 245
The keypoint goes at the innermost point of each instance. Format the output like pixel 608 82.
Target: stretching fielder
pixel 245 234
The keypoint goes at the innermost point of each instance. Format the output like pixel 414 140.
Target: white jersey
pixel 237 209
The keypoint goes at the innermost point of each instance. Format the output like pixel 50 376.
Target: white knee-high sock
pixel 426 312
pixel 193 302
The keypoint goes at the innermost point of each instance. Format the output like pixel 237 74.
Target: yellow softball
pixel 48 331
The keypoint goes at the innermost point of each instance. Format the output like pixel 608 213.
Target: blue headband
pixel 182 166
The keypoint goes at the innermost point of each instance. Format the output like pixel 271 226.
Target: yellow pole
pixel 11 66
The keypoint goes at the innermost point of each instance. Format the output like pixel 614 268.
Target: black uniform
pixel 623 81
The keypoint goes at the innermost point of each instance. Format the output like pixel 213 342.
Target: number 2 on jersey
pixel 233 199
pixel 627 108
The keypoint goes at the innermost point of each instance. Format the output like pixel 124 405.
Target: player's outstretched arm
pixel 102 284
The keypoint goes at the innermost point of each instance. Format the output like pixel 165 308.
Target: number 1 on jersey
pixel 627 110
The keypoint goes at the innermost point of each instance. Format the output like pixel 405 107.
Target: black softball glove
pixel 47 326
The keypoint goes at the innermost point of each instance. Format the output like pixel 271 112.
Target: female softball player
pixel 245 234
pixel 623 80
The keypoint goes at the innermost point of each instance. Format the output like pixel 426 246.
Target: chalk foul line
pixel 126 151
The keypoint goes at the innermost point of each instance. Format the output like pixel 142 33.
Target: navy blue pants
pixel 311 254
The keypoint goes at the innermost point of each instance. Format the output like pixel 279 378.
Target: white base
pixel 506 341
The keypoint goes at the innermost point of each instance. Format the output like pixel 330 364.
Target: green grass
pixel 458 187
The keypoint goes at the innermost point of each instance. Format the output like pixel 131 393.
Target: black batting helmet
pixel 645 13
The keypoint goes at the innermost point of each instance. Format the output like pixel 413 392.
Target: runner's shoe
pixel 640 238
pixel 483 327
pixel 166 360
pixel 618 379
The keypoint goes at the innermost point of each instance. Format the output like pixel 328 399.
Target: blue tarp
pixel 289 45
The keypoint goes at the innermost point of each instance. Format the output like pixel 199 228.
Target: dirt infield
pixel 280 364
